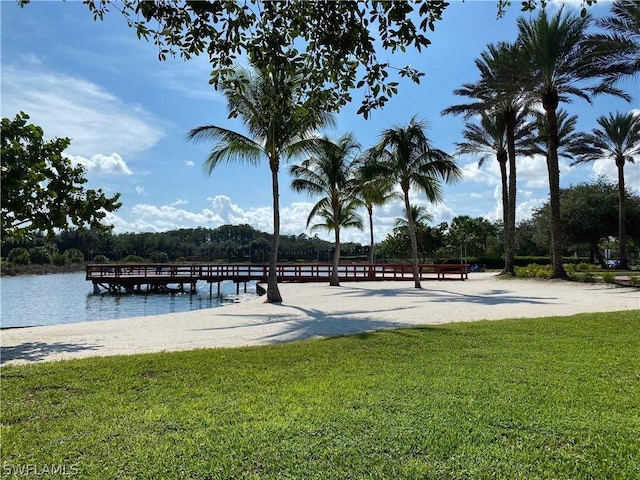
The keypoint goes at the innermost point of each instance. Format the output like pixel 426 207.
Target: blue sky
pixel 127 114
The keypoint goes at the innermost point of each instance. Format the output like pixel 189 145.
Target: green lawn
pixel 543 398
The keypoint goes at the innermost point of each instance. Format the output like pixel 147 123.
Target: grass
pixel 543 398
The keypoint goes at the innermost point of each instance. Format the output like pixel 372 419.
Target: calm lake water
pixel 31 300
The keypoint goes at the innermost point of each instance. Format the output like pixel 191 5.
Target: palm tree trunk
pixel 273 292
pixel 502 161
pixel 372 244
pixel 622 214
pixel 557 269
pixel 335 280
pixel 414 241
pixel 510 226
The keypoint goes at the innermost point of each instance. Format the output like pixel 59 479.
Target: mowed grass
pixel 543 398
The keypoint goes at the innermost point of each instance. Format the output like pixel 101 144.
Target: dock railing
pixel 159 276
pixel 291 272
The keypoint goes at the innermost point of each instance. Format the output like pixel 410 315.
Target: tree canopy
pixel 335 46
pixel 41 189
pixel 590 215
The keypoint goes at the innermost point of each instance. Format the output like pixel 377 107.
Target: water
pixel 32 300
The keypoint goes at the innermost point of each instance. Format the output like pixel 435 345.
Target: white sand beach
pixel 317 310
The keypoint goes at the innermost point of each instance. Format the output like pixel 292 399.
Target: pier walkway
pixel 169 277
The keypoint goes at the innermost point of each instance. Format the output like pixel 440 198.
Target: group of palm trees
pixel 553 59
pixel 518 97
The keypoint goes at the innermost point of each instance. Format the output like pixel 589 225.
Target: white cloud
pixel 109 164
pixel 176 217
pixel 606 167
pixel 69 106
pixel 153 218
pixel 488 174
pixel 189 163
pixel 140 190
pixel 532 172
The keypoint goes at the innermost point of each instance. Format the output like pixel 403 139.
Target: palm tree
pixel 489 139
pixel 499 94
pixel 406 154
pixel 330 172
pixel 276 131
pixel 619 48
pixel 424 232
pixel 372 192
pixel 558 66
pixel 420 215
pixel 617 138
pixel 570 141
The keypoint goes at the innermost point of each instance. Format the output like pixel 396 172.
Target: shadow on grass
pixel 38 351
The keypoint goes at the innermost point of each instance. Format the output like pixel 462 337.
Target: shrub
pixel 522 272
pixel 587 278
pixel 19 256
pixel 584 267
pixel 634 281
pixel 608 277
pixel 58 259
pixel 100 259
pixel 543 271
pixel 40 255
pixel 159 257
pixel 133 259
pixel 533 271
pixel 74 255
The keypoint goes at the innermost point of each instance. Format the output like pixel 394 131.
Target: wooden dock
pixel 169 277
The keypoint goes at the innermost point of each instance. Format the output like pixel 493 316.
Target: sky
pixel 127 115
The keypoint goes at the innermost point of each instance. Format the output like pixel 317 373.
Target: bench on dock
pixel 452 268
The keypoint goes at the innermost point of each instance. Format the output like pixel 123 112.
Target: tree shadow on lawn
pixel 39 351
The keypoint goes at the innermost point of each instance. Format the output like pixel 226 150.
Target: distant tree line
pixel 589 214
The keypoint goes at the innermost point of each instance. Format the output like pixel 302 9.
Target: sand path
pixel 317 310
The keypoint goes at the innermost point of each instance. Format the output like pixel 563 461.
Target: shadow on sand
pixel 304 323
pixel 38 351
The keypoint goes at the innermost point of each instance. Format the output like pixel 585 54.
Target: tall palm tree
pixel 406 154
pixel 330 172
pixel 499 94
pixel 489 140
pixel 618 138
pixel 558 66
pixel 276 131
pixel 372 192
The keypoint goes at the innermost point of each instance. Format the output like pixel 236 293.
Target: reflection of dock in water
pixel 168 277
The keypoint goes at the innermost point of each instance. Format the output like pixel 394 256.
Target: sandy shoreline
pixel 316 310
